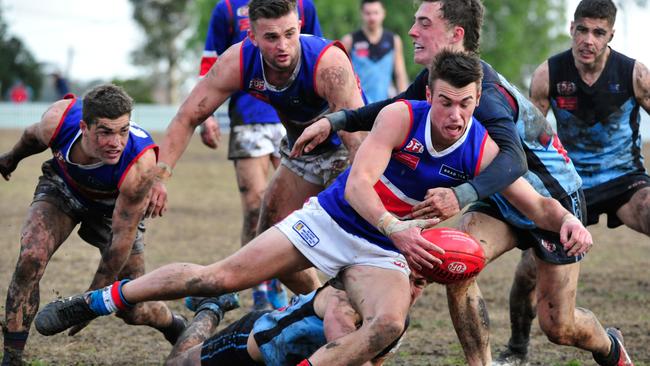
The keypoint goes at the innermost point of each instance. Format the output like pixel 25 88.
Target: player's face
pixel 418 283
pixel 372 15
pixel 105 140
pixel 590 37
pixel 451 110
pixel 278 40
pixel 430 33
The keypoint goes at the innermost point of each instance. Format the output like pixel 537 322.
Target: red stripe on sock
pixel 115 295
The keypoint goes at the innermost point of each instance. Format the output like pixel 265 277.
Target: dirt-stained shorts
pixel 255 140
pixel 330 248
pixel 95 228
pixel 319 169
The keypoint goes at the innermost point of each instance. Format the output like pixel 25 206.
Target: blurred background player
pixel 595 94
pixel 376 53
pixel 255 128
pixel 99 177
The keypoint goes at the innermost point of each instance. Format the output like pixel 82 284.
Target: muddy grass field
pixel 202 225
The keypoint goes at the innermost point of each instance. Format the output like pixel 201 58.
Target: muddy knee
pixel 384 329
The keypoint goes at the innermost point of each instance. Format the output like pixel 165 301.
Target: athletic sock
pixel 173 331
pixel 304 362
pixel 14 344
pixel 109 299
pixel 612 358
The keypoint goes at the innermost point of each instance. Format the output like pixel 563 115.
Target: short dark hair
pixel 457 68
pixel 596 9
pixel 106 101
pixel 270 9
pixel 364 2
pixel 467 14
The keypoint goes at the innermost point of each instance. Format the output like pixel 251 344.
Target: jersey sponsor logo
pixel 414 146
pixel 257 84
pixel 242 11
pixel 452 173
pixel 361 49
pixel 59 156
pixel 457 267
pixel 566 88
pixel 567 103
pixel 305 233
pixel 407 159
pixel 548 245
pixel 399 263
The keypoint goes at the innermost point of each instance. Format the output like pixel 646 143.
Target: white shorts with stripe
pixel 330 248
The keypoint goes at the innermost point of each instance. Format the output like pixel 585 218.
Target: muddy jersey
pixel 374 63
pixel 229 24
pixel 599 124
pixel 96 185
pixel 550 170
pixel 413 168
pixel 297 103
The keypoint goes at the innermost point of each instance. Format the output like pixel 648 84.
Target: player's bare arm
pixel 210 92
pixel 547 213
pixel 641 77
pixel 337 84
pixel 35 138
pixel 129 210
pixel 340 318
pixel 388 133
pixel 539 92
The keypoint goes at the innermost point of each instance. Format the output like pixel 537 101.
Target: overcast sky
pixel 101 34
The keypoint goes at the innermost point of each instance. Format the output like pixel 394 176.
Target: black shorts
pixel 547 244
pixel 608 197
pixel 228 347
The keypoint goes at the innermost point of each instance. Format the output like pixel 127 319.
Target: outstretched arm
pixel 209 93
pixel 35 138
pixel 548 214
pixel 128 212
pixel 641 78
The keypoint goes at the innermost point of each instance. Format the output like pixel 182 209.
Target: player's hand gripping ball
pixel 464 257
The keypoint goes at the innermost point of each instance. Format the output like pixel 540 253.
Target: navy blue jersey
pixel 97 185
pixel 599 123
pixel 374 63
pixel 297 103
pixel 413 168
pixel 229 24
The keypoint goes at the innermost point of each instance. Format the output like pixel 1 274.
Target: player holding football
pixel 357 226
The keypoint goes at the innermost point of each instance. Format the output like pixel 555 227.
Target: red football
pixel 464 257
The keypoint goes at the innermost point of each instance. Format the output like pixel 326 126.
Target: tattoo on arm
pixel 333 80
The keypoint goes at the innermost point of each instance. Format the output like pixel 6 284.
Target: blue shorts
pixel 547 244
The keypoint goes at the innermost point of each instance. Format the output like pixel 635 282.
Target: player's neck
pixel 589 73
pixel 373 35
pixel 79 153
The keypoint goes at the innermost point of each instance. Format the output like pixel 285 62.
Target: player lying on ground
pixel 281 337
pixel 355 224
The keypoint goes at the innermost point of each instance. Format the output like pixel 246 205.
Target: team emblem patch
pixel 242 11
pixel 414 146
pixel 257 84
pixel 305 233
pixel 566 88
pixel 452 173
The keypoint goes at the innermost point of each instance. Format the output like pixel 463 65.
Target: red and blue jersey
pixel 297 103
pixel 97 185
pixel 413 168
pixel 229 24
